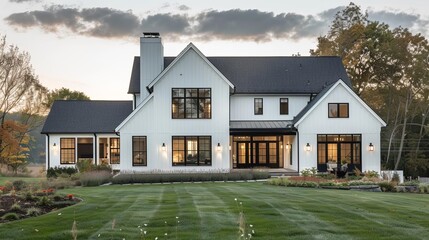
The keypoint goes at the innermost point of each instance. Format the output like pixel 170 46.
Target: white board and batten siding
pixel 242 107
pixel 154 119
pixel 360 121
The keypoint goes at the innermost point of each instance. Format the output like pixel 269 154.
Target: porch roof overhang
pixel 263 127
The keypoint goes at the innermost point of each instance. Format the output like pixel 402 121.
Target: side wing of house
pixel 339 130
pixel 184 126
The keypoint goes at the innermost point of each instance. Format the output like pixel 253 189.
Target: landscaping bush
pixel 15 207
pixel 57 171
pixel 371 174
pixel 33 211
pixel 45 201
pixel 188 177
pixel 387 186
pixel 19 185
pixel 95 178
pixel 11 216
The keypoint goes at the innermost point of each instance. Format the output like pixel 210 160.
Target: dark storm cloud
pixel 234 24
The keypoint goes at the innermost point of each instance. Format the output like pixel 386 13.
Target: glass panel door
pixel 273 153
pixel 242 154
pixel 262 153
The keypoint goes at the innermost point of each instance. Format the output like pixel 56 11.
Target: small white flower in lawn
pixel 242 235
pixel 165 234
pixel 165 222
pixel 235 199
pixel 178 221
pixel 99 235
pixel 156 238
pixel 144 232
pixel 145 224
pixel 123 238
pixel 120 229
pixel 253 231
pixel 139 226
pixel 250 235
pixel 141 230
pixel 22 229
pixel 59 214
pixel 177 217
pixel 251 225
pixel 241 203
pixel 36 229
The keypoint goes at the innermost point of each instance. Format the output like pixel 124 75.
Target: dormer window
pixel 338 110
pixel 192 103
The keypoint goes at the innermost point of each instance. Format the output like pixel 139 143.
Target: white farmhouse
pixel 197 113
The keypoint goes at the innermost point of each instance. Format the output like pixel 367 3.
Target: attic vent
pixel 150 34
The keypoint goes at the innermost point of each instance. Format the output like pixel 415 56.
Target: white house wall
pixel 155 121
pixel 360 121
pixel 242 107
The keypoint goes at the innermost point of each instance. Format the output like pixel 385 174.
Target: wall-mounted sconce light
pixel 54 145
pixel 229 147
pixel 218 147
pixel 287 146
pixel 163 147
pixel 307 147
pixel 371 147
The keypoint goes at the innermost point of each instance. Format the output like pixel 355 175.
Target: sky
pixel 89 45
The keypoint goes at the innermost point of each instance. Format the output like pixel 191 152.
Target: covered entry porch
pixel 262 145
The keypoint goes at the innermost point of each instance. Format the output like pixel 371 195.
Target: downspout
pixel 95 150
pixel 297 138
pixel 48 151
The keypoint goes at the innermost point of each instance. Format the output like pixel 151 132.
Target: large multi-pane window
pixel 192 151
pixel 258 106
pixel 284 106
pixel 339 149
pixel 139 151
pixel 114 151
pixel 191 103
pixel 67 151
pixel 338 110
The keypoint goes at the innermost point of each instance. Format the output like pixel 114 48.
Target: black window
pixel 139 151
pixel 114 151
pixel 191 103
pixel 192 151
pixel 67 151
pixel 338 110
pixel 259 106
pixel 344 149
pixel 284 106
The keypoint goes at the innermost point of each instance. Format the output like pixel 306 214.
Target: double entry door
pixel 257 154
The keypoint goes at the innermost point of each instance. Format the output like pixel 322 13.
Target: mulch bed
pixel 6 202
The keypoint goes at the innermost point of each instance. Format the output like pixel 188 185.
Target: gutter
pixel 95 149
pixel 48 151
pixel 297 138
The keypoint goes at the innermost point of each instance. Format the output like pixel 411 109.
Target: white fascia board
pixel 133 112
pixel 352 93
pixel 190 45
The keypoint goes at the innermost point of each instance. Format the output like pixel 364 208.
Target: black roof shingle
pixel 296 75
pixel 86 116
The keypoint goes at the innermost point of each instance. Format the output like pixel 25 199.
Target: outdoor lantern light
pixel 287 145
pixel 163 147
pixel 371 147
pixel 307 147
pixel 54 145
pixel 218 148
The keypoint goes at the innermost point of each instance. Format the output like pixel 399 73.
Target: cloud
pixel 234 24
pixel 183 8
pixel 23 1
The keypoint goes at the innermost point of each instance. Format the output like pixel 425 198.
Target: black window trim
pixel 133 151
pixel 110 149
pixel 280 106
pixel 185 150
pixel 338 110
pixel 74 151
pixel 254 106
pixel 198 97
pixel 340 142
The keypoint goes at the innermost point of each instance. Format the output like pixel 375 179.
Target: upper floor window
pixel 284 106
pixel 67 151
pixel 259 106
pixel 338 110
pixel 191 103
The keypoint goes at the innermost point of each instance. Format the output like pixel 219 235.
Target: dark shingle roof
pixel 269 74
pixel 86 116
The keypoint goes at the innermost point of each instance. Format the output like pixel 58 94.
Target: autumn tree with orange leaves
pixel 20 92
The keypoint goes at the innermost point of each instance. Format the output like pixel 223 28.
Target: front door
pixel 243 155
pixel 257 154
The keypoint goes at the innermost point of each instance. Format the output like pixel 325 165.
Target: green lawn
pixel 3 180
pixel 208 211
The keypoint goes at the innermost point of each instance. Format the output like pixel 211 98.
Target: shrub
pixel 395 177
pixel 28 196
pixel 15 207
pixel 11 216
pixel 410 183
pixel 387 186
pixel 45 201
pixel 19 185
pixel 84 165
pixel 371 174
pixel 306 172
pixel 57 171
pixel 95 178
pixel 33 211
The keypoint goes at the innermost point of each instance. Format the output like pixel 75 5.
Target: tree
pixel 20 91
pixel 64 94
pixel 388 68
